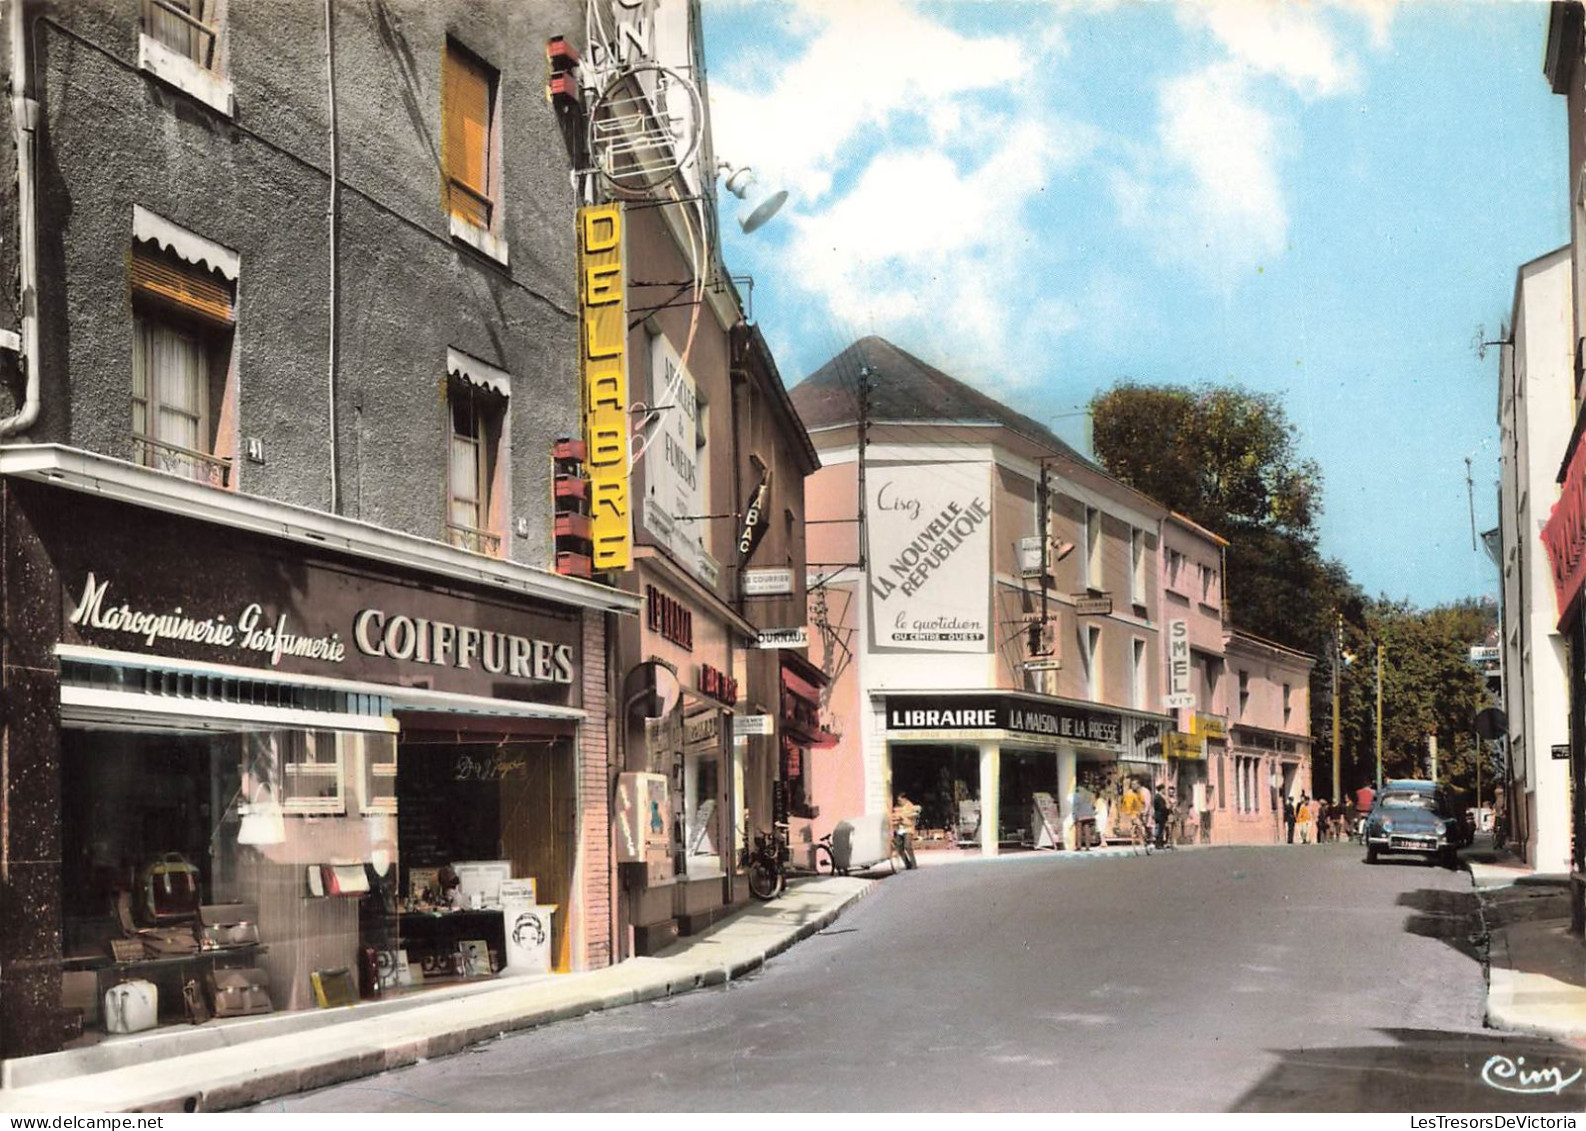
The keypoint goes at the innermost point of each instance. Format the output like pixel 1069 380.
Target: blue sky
pixel 1324 201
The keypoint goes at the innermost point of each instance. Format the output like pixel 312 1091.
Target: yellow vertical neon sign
pixel 603 362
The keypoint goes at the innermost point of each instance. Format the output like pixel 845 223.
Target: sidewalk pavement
pixel 232 1063
pixel 1537 967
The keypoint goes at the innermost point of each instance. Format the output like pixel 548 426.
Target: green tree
pixel 1429 686
pixel 1227 458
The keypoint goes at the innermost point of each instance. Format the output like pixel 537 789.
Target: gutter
pixel 24 114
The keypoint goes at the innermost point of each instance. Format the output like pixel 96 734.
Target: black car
pixel 1415 818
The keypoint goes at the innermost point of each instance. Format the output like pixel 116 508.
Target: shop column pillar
pixel 1067 768
pixel 990 796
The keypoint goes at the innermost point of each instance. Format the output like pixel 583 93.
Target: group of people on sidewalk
pixel 1316 820
pixel 1142 810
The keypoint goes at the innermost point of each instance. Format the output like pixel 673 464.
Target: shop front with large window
pixel 996 771
pixel 281 777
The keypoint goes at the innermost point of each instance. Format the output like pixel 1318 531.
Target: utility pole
pixel 864 436
pixel 1338 740
pixel 1431 745
pixel 1379 715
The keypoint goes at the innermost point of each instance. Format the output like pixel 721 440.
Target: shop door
pixel 539 830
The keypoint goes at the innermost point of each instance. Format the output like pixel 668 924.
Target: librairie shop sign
pixel 929 534
pixel 1058 721
pixel 252 635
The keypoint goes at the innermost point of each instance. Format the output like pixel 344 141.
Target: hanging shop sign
pixel 1013 713
pixel 1178 666
pixel 717 685
pixel 1209 726
pixel 755 521
pixel 744 726
pixel 771 582
pixel 1086 605
pixel 928 535
pixel 1564 534
pixel 603 365
pixel 1187 747
pixel 1560 752
pixel 798 637
pixel 676 506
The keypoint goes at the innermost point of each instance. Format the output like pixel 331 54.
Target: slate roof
pixel 906 389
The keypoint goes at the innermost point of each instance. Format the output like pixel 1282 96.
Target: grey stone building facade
pixel 296 326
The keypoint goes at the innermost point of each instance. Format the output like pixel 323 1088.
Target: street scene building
pixel 1534 416
pixel 987 541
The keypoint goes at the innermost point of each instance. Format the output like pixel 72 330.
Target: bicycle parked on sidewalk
pixel 765 865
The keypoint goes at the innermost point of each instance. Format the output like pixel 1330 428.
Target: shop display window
pixel 312 766
pixel 702 787
pixel 944 781
pixel 258 871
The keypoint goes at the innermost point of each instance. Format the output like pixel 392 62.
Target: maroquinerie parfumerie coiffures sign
pixel 374 632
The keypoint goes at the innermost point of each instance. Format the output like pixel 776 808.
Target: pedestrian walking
pixel 1302 818
pixel 1288 816
pixel 1161 813
pixel 1131 807
pixel 1083 809
pixel 905 815
pixel 1319 819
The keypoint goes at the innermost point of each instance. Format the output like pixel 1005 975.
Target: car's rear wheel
pixel 1371 854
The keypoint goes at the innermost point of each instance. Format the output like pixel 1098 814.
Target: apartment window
pixel 1137 567
pixel 1093 662
pixel 1244 692
pixel 1208 579
pixel 183 316
pixel 473 467
pixel 470 154
pixel 1288 705
pixel 1093 573
pixel 1175 566
pixel 183 43
pixel 1137 676
pixel 190 28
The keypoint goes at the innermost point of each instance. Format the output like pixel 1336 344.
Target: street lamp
pixel 1341 656
pixel 1380 650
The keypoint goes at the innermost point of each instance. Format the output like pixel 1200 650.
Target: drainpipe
pixel 24 114
pixel 330 215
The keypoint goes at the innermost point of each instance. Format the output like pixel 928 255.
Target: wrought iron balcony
pixel 177 460
pixel 474 541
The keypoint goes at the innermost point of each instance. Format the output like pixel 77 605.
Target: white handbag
pixel 131 1007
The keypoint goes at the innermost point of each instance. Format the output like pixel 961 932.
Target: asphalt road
pixel 1263 979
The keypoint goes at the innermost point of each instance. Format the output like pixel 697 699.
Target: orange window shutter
pixel 465 96
pixel 158 275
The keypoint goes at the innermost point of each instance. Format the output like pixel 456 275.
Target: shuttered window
pixel 468 89
pixel 476 417
pixel 162 277
pixel 182 323
pixel 191 28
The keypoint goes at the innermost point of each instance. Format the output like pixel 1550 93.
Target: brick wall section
pixel 594 775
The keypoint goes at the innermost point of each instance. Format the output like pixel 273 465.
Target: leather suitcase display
pixel 224 925
pixel 168 889
pixel 169 942
pixel 240 993
pixel 131 1007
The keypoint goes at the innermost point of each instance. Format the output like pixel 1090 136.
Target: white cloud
pixel 863 65
pixel 941 254
pixel 1210 195
pixel 1292 42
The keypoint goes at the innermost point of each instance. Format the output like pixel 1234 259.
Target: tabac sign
pixel 603 366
